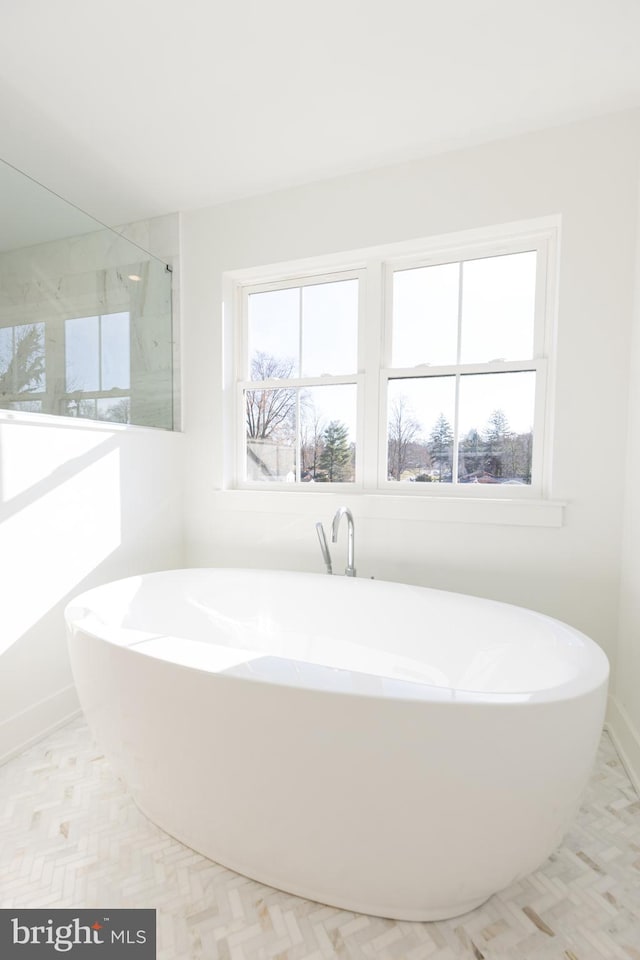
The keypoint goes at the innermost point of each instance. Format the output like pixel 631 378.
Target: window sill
pixel 77 423
pixel 377 506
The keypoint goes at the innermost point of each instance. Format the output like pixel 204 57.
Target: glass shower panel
pixel 85 313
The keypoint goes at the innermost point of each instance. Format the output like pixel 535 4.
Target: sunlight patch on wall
pixel 50 545
pixel 25 463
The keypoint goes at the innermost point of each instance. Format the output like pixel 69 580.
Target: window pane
pixel 498 308
pixel 271 434
pixel 274 334
pixel 312 429
pixel 82 354
pixel 328 434
pixel 496 419
pixel 114 409
pixel 22 359
pixel 425 316
pixel 330 328
pixel 116 351
pixel 81 408
pixel 421 413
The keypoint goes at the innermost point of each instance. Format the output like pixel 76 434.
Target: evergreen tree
pixel 496 434
pixel 336 456
pixel 441 447
pixel 472 453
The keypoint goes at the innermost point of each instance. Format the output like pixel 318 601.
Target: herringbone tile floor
pixel 71 836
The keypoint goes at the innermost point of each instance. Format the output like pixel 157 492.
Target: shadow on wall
pixel 58 520
pixel 25 662
pixel 79 505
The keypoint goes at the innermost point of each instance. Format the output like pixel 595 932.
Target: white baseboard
pixel 27 727
pixel 626 739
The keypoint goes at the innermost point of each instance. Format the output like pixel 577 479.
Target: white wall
pixel 585 172
pixel 80 503
pixel 625 703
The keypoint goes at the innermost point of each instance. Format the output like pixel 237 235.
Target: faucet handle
pixel 324 546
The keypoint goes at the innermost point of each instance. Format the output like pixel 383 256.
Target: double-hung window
pixel 418 370
pixel 464 369
pixel 299 384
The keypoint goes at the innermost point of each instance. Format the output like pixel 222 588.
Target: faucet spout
pixel 350 569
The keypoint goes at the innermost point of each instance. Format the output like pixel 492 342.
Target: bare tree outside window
pixel 117 411
pixel 403 431
pixel 312 429
pixel 270 413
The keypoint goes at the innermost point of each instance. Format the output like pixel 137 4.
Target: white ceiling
pixel 132 108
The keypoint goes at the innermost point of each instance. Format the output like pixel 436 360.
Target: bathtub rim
pixel 262 668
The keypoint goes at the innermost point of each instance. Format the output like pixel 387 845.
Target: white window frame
pixel 544 247
pixel 244 383
pixel 374 267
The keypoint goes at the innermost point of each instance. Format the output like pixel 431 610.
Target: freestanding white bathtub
pixel 383 748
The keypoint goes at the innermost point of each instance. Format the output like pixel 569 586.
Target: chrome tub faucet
pixel 350 569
